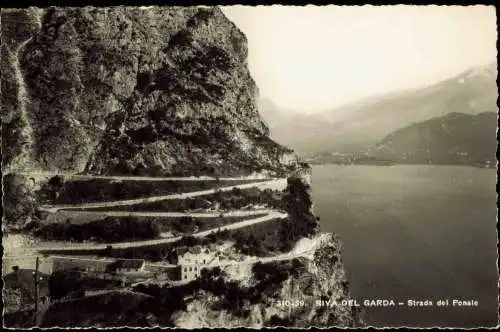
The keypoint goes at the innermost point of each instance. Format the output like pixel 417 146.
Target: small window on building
pixel 204 261
pixel 185 269
pixel 185 277
pixel 190 269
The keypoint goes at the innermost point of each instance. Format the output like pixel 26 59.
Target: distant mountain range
pixel 453 139
pixel 363 125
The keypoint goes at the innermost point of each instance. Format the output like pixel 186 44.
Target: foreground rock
pixel 290 299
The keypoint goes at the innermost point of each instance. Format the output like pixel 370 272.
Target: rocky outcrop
pixel 19 201
pixel 293 302
pixel 18 28
pixel 158 90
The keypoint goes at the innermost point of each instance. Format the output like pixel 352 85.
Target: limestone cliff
pixel 293 300
pixel 158 90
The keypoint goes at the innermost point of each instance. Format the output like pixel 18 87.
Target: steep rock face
pixel 18 201
pixel 158 90
pixel 294 303
pixel 17 28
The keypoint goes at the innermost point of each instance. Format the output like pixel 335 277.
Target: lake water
pixel 415 232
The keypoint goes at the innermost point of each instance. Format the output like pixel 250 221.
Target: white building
pixel 192 260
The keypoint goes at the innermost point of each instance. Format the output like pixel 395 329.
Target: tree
pixel 56 182
pixel 65 283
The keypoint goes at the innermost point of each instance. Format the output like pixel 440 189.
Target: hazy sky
pixel 313 58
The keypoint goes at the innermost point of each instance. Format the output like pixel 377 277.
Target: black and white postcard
pixel 239 166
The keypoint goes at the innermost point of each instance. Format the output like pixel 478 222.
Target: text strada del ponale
pixel 393 303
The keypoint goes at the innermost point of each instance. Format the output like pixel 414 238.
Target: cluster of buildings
pixel 186 265
pixel 19 289
pixel 19 283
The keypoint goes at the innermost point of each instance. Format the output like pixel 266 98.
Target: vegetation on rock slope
pixel 156 91
pixel 454 139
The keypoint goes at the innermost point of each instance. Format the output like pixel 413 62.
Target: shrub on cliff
pixel 111 229
pixel 181 39
pixel 66 284
pixel 14 142
pixel 327 256
pixel 270 276
pixel 238 198
pixel 248 244
pixel 183 225
pixel 300 222
pixel 202 16
pixel 165 301
pixel 234 299
pixel 19 203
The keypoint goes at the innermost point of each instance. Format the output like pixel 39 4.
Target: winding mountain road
pixel 73 176
pixel 271 184
pixel 48 246
pixel 75 210
pixel 214 214
pixel 282 257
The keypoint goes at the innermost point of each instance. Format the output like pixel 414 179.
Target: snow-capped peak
pixel 485 71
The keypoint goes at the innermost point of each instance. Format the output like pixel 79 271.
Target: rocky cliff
pixel 108 91
pixel 152 91
pixel 290 293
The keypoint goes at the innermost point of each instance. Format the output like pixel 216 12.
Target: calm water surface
pixel 415 232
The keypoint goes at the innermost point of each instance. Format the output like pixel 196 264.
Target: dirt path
pixel 260 185
pixel 282 257
pixel 72 176
pixel 135 244
pixel 215 214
